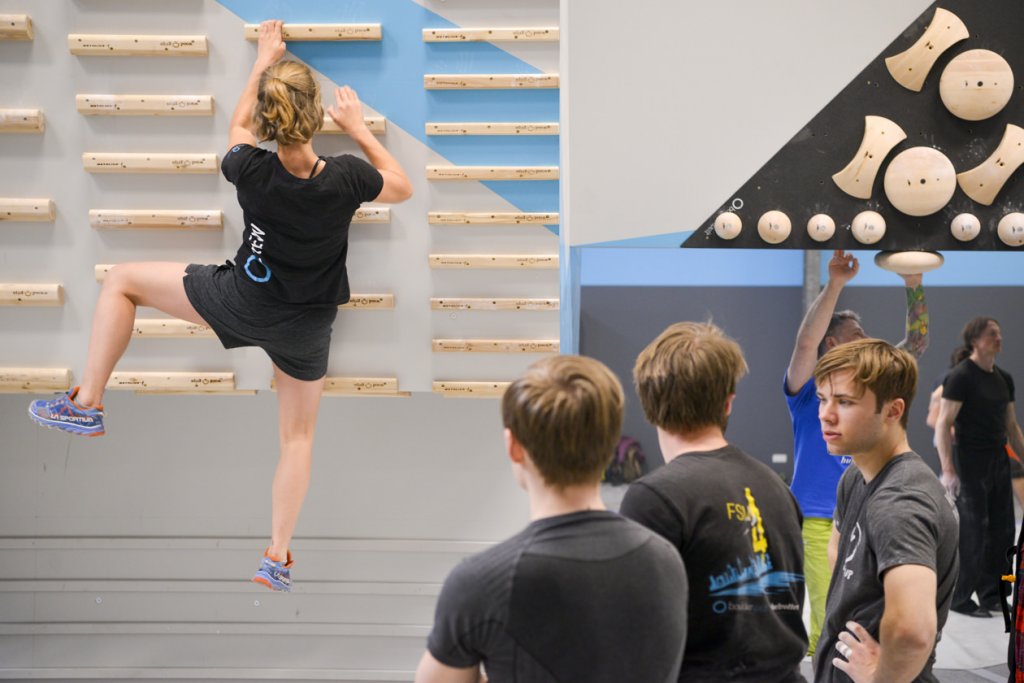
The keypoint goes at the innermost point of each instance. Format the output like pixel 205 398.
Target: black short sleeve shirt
pixel 981 422
pixel 295 240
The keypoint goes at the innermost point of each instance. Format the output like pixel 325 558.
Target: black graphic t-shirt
pixel 737 527
pixel 902 517
pixel 587 596
pixel 981 423
pixel 295 240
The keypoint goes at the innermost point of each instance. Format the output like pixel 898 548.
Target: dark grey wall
pixel 617 322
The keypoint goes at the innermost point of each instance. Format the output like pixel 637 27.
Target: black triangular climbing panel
pixel 798 180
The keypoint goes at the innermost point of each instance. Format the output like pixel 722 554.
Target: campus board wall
pixel 764 320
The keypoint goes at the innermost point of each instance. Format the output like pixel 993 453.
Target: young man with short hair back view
pixel 733 520
pixel 894 538
pixel 581 594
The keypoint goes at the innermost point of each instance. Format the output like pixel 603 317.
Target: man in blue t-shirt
pixel 816 473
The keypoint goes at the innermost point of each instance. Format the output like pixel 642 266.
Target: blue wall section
pixel 388 75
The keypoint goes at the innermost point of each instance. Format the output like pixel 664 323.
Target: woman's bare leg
pixel 126 286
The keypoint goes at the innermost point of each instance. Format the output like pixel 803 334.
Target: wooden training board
pixel 93 104
pixel 128 219
pixel 493 35
pixel 170 328
pixel 372 214
pixel 320 32
pixel 32 294
pixel 489 81
pixel 494 261
pixel 109 45
pixel 492 172
pixel 21 121
pixel 496 128
pixel 493 304
pixel 491 218
pixel 175 382
pixel 19 209
pixel 455 389
pixel 141 162
pixel 370 302
pixel 16 27
pixel 34 380
pixel 377 125
pixel 495 345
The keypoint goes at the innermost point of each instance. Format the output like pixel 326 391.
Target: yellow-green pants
pixel 817 532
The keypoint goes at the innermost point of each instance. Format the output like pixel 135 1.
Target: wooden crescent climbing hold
pixel 880 136
pixel 983 182
pixel 910 67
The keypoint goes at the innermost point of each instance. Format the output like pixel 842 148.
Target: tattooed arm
pixel 916 340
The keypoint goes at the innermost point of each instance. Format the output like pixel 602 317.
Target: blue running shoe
pixel 274 574
pixel 64 414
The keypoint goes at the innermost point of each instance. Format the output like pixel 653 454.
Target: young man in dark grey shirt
pixel 732 519
pixel 581 594
pixel 894 538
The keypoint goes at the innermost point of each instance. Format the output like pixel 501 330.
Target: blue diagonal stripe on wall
pixel 388 75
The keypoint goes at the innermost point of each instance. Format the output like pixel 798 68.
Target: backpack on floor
pixel 628 463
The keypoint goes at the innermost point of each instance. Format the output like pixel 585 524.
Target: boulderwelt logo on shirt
pixel 743 583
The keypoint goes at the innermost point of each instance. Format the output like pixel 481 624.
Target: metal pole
pixel 812 277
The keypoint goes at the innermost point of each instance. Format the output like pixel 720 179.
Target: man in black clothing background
pixel 733 520
pixel 978 401
pixel 581 594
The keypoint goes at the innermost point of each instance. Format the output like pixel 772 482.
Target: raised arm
pixel 916 340
pixel 841 270
pixel 432 671
pixel 948 411
pixel 270 49
pixel 347 112
pixel 906 636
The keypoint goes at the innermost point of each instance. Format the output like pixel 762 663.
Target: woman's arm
pixel 271 49
pixel 347 112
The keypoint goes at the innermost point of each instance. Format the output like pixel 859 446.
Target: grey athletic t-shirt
pixel 588 596
pixel 901 517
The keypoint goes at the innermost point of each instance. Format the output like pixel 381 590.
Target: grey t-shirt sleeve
pixel 643 504
pixel 903 525
pixel 461 621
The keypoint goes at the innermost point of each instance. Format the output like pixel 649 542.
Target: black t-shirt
pixel 981 422
pixel 737 527
pixel 587 596
pixel 296 230
pixel 902 517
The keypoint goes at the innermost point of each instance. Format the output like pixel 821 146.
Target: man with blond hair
pixel 581 594
pixel 894 536
pixel 733 520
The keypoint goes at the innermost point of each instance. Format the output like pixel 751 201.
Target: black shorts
pixel 297 338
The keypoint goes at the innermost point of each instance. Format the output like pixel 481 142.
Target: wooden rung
pixel 372 214
pixel 493 304
pixel 301 32
pixel 491 218
pixel 12 209
pixel 101 270
pixel 492 172
pixel 170 328
pixel 34 380
pixel 358 386
pixel 127 219
pixel 34 294
pixel 16 27
pixel 144 105
pixel 136 45
pixel 370 301
pixel 470 389
pixel 494 261
pixel 141 162
pixel 493 35
pixel 173 382
pixel 377 125
pixel 495 345
pixel 21 121
pixel 489 81
pixel 497 128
